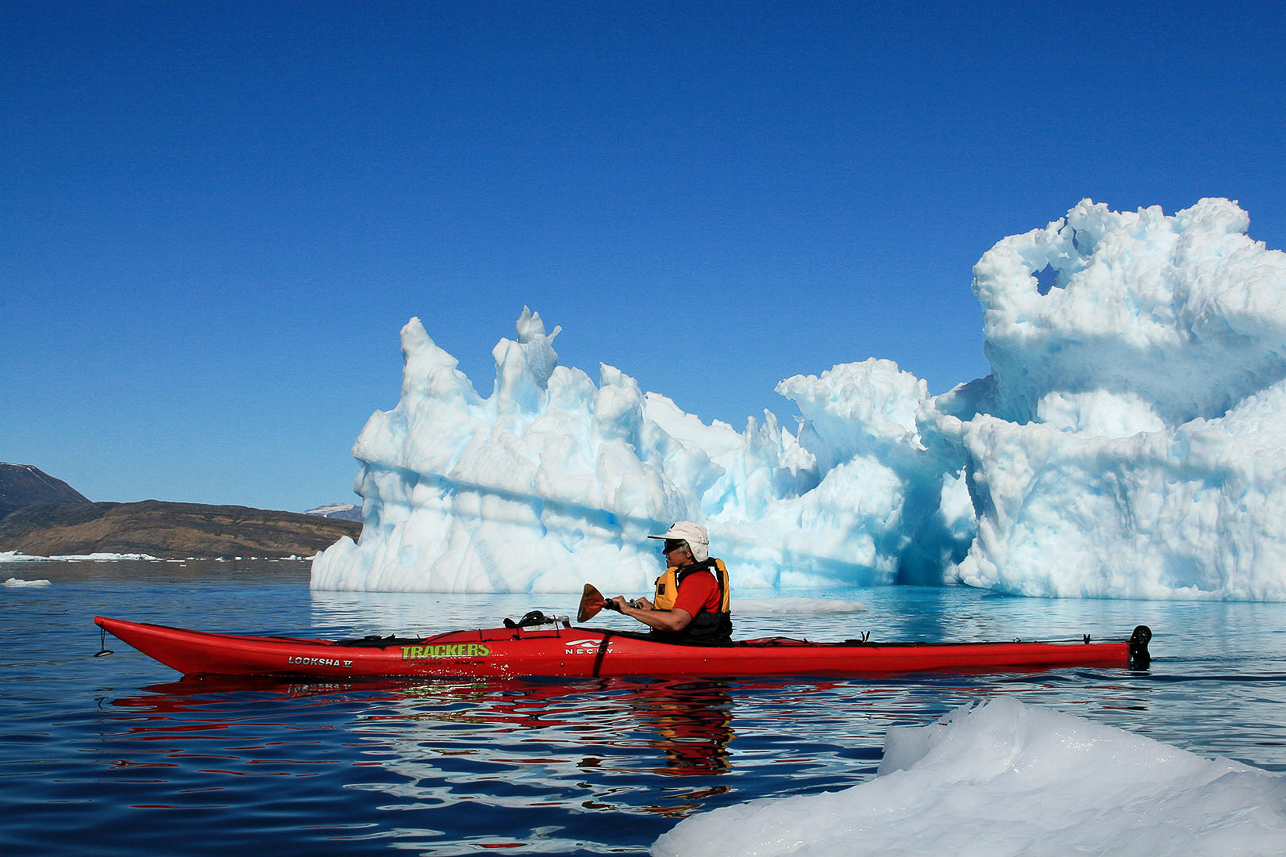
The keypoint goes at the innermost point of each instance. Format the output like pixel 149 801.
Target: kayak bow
pixel 539 646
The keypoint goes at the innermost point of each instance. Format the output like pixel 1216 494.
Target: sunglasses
pixel 672 545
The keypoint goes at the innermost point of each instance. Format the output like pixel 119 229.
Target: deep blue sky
pixel 216 217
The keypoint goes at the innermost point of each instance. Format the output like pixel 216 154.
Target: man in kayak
pixel 691 604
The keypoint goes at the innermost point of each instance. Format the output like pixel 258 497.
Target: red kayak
pixel 538 646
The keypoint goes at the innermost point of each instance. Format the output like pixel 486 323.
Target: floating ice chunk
pixel 1004 778
pixel 14 556
pixel 794 606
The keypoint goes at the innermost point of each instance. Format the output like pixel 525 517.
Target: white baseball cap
pixel 694 534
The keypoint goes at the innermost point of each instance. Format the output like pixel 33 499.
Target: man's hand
pixel 642 610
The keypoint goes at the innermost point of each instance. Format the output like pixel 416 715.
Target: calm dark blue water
pixel 117 754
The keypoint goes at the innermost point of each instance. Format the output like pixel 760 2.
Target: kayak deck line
pixel 555 648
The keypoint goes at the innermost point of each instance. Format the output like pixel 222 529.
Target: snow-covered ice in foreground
pixel 1004 778
pixel 1129 443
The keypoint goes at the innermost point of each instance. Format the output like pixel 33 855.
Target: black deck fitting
pixel 1140 657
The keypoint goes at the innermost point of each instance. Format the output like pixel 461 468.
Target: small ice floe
pixel 109 557
pixel 14 556
pixel 793 606
pixel 15 582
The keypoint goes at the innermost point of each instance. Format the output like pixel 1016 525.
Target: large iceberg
pixel 1128 443
pixel 554 480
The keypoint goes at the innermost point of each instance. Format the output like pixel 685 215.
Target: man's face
pixel 676 552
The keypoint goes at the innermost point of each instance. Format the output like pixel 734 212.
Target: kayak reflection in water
pixel 691 603
pixel 693 725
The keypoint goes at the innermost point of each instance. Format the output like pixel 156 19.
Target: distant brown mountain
pixel 167 530
pixel 21 485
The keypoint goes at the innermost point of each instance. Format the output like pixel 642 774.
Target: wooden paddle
pixel 592 601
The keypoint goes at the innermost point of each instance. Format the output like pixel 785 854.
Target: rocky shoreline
pixel 167 530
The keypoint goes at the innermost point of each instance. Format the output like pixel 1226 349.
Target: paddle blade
pixel 591 601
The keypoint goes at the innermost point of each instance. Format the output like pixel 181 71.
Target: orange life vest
pixel 706 626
